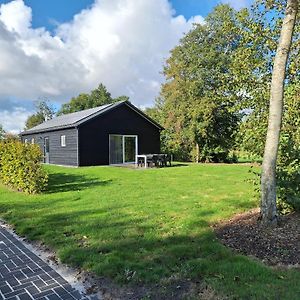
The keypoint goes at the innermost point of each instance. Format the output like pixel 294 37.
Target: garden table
pixel 143 156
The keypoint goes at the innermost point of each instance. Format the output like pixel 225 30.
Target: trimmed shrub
pixel 20 167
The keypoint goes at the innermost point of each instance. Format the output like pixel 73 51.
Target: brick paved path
pixel 23 275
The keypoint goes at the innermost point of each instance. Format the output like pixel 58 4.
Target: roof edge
pixel 47 130
pixel 112 106
pixel 73 125
pixel 86 119
pixel 145 116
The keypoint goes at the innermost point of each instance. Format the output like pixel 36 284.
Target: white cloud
pixel 122 43
pixel 16 16
pixel 14 120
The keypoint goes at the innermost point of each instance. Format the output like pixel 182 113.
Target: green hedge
pixel 20 167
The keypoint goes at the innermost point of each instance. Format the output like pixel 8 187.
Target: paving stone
pixel 18 290
pixel 24 276
pixel 45 276
pixel 19 275
pixel 13 298
pixel 32 290
pixel 60 291
pixel 13 281
pixel 25 296
pixel 30 279
pixel 43 295
pixel 53 297
pixel 5 289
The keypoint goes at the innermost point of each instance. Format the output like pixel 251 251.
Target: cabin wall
pixel 57 154
pixel 94 135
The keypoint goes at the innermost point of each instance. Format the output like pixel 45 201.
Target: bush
pixel 20 167
pixel 288 173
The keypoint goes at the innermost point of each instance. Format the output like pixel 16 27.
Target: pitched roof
pixel 77 118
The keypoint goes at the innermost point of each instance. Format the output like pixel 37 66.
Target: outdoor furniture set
pixel 153 160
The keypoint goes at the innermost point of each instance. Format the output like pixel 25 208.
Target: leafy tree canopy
pixel 253 67
pixel 196 104
pixel 219 78
pixel 97 97
pixel 253 71
pixel 44 112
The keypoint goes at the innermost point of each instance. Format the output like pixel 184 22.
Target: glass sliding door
pixel 115 149
pixel 122 149
pixel 129 149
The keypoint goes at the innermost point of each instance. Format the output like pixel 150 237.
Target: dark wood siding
pixel 94 135
pixel 57 154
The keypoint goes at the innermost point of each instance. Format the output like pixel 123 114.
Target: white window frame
pixel 123 142
pixel 63 140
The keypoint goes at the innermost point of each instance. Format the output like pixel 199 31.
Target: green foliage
pixel 196 102
pixel 288 168
pixel 44 112
pixel 20 166
pixel 121 98
pixel 97 97
pixel 76 104
pixel 34 120
pixel 253 70
pixel 100 96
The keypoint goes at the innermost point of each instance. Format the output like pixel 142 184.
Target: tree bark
pixel 269 214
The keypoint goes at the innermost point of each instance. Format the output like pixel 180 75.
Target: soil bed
pixel 274 246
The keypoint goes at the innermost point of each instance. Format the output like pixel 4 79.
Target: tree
pixel 2 132
pixel 100 96
pixel 44 112
pixel 78 103
pixel 9 136
pixel 97 97
pixel 268 176
pixel 196 101
pixel 253 66
pixel 121 98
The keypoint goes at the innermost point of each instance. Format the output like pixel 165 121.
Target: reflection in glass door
pixel 129 149
pixel 115 149
pixel 122 149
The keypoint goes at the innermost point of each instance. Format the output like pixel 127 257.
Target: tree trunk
pixel 269 214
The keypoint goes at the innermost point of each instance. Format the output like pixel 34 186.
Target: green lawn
pixel 148 226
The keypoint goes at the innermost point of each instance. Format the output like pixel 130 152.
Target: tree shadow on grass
pixel 64 182
pixel 122 248
pixel 111 248
pixel 175 165
pixel 132 249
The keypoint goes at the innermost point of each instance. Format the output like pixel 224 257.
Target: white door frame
pixel 123 146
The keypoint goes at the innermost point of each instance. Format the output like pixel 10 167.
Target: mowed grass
pixel 149 226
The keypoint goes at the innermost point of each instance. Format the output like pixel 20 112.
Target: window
pixel 32 141
pixel 26 141
pixel 63 141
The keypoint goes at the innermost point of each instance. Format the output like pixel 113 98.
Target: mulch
pixel 278 245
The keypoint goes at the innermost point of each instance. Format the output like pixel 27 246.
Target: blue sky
pixel 57 49
pixel 47 13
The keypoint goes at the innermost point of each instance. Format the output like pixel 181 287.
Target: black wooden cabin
pixel 110 134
